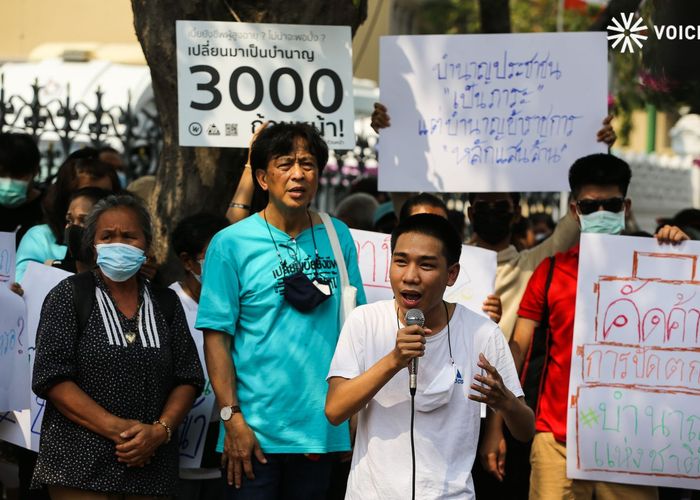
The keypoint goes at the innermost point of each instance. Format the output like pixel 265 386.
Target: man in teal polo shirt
pixel 269 310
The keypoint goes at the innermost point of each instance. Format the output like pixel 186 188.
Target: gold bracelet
pixel 239 205
pixel 167 429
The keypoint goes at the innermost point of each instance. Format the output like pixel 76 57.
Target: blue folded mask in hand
pixel 119 261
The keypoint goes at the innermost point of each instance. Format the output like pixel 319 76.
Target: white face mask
pixel 439 391
pixel 198 277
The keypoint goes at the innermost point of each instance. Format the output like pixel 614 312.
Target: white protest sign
pixel 477 274
pixel 7 258
pixel 232 77
pixel 479 113
pixel 193 430
pixel 14 357
pixel 634 393
pixel 24 428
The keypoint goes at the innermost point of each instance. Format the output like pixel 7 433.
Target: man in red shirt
pixel 598 191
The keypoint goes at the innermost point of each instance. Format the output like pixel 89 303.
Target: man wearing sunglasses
pixel 599 185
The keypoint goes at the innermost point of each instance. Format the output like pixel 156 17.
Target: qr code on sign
pixel 232 129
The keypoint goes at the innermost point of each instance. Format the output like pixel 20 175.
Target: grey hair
pixel 110 203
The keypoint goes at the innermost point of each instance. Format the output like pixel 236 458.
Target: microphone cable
pixel 413 446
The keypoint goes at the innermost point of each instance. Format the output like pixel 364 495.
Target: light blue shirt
pixel 37 245
pixel 281 355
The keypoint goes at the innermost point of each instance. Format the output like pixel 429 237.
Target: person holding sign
pixel 190 241
pixel 455 346
pixel 269 310
pixel 599 185
pixel 118 368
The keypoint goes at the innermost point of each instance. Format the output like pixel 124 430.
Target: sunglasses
pixel 609 205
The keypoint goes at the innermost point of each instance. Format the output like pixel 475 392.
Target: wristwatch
pixel 227 412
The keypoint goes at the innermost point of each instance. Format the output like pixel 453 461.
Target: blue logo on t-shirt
pixel 459 379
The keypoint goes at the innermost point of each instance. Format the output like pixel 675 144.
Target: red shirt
pixel 552 408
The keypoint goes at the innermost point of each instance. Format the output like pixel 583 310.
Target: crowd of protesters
pixel 312 396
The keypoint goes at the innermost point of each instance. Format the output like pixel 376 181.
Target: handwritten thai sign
pixel 24 428
pixel 7 258
pixel 490 112
pixel 232 77
pixel 14 358
pixel 193 429
pixel 477 274
pixel 634 413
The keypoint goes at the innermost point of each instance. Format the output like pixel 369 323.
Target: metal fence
pixel 60 126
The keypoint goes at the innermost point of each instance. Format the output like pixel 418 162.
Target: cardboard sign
pixel 232 77
pixel 634 393
pixel 7 258
pixel 480 113
pixel 14 355
pixel 24 428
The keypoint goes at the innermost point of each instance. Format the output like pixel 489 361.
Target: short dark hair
pixel 420 200
pixel 515 197
pixel 19 155
pixel 58 195
pixel 113 202
pixel 277 140
pixel 600 169
pixel 193 233
pixel 94 194
pixel 434 226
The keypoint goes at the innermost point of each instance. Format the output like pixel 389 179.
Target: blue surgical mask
pixel 123 181
pixel 13 192
pixel 118 261
pixel 603 222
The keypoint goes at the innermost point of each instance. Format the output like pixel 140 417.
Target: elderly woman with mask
pixel 117 366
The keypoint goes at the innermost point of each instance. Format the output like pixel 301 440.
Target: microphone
pixel 413 317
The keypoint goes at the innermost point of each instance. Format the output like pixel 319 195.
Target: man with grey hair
pixel 357 211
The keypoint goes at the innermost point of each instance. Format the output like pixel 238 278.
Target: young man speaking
pixel 455 345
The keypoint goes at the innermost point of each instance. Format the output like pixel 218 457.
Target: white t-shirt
pixel 445 438
pixel 190 307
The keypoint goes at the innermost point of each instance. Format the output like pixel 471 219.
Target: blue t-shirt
pixel 37 245
pixel 281 355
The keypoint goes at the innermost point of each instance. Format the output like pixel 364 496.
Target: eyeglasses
pixel 609 205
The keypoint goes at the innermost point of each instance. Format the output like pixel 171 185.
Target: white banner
pixel 634 394
pixel 479 113
pixel 232 77
pixel 477 274
pixel 24 428
pixel 7 258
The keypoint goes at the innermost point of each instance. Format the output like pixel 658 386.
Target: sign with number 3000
pixel 233 77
